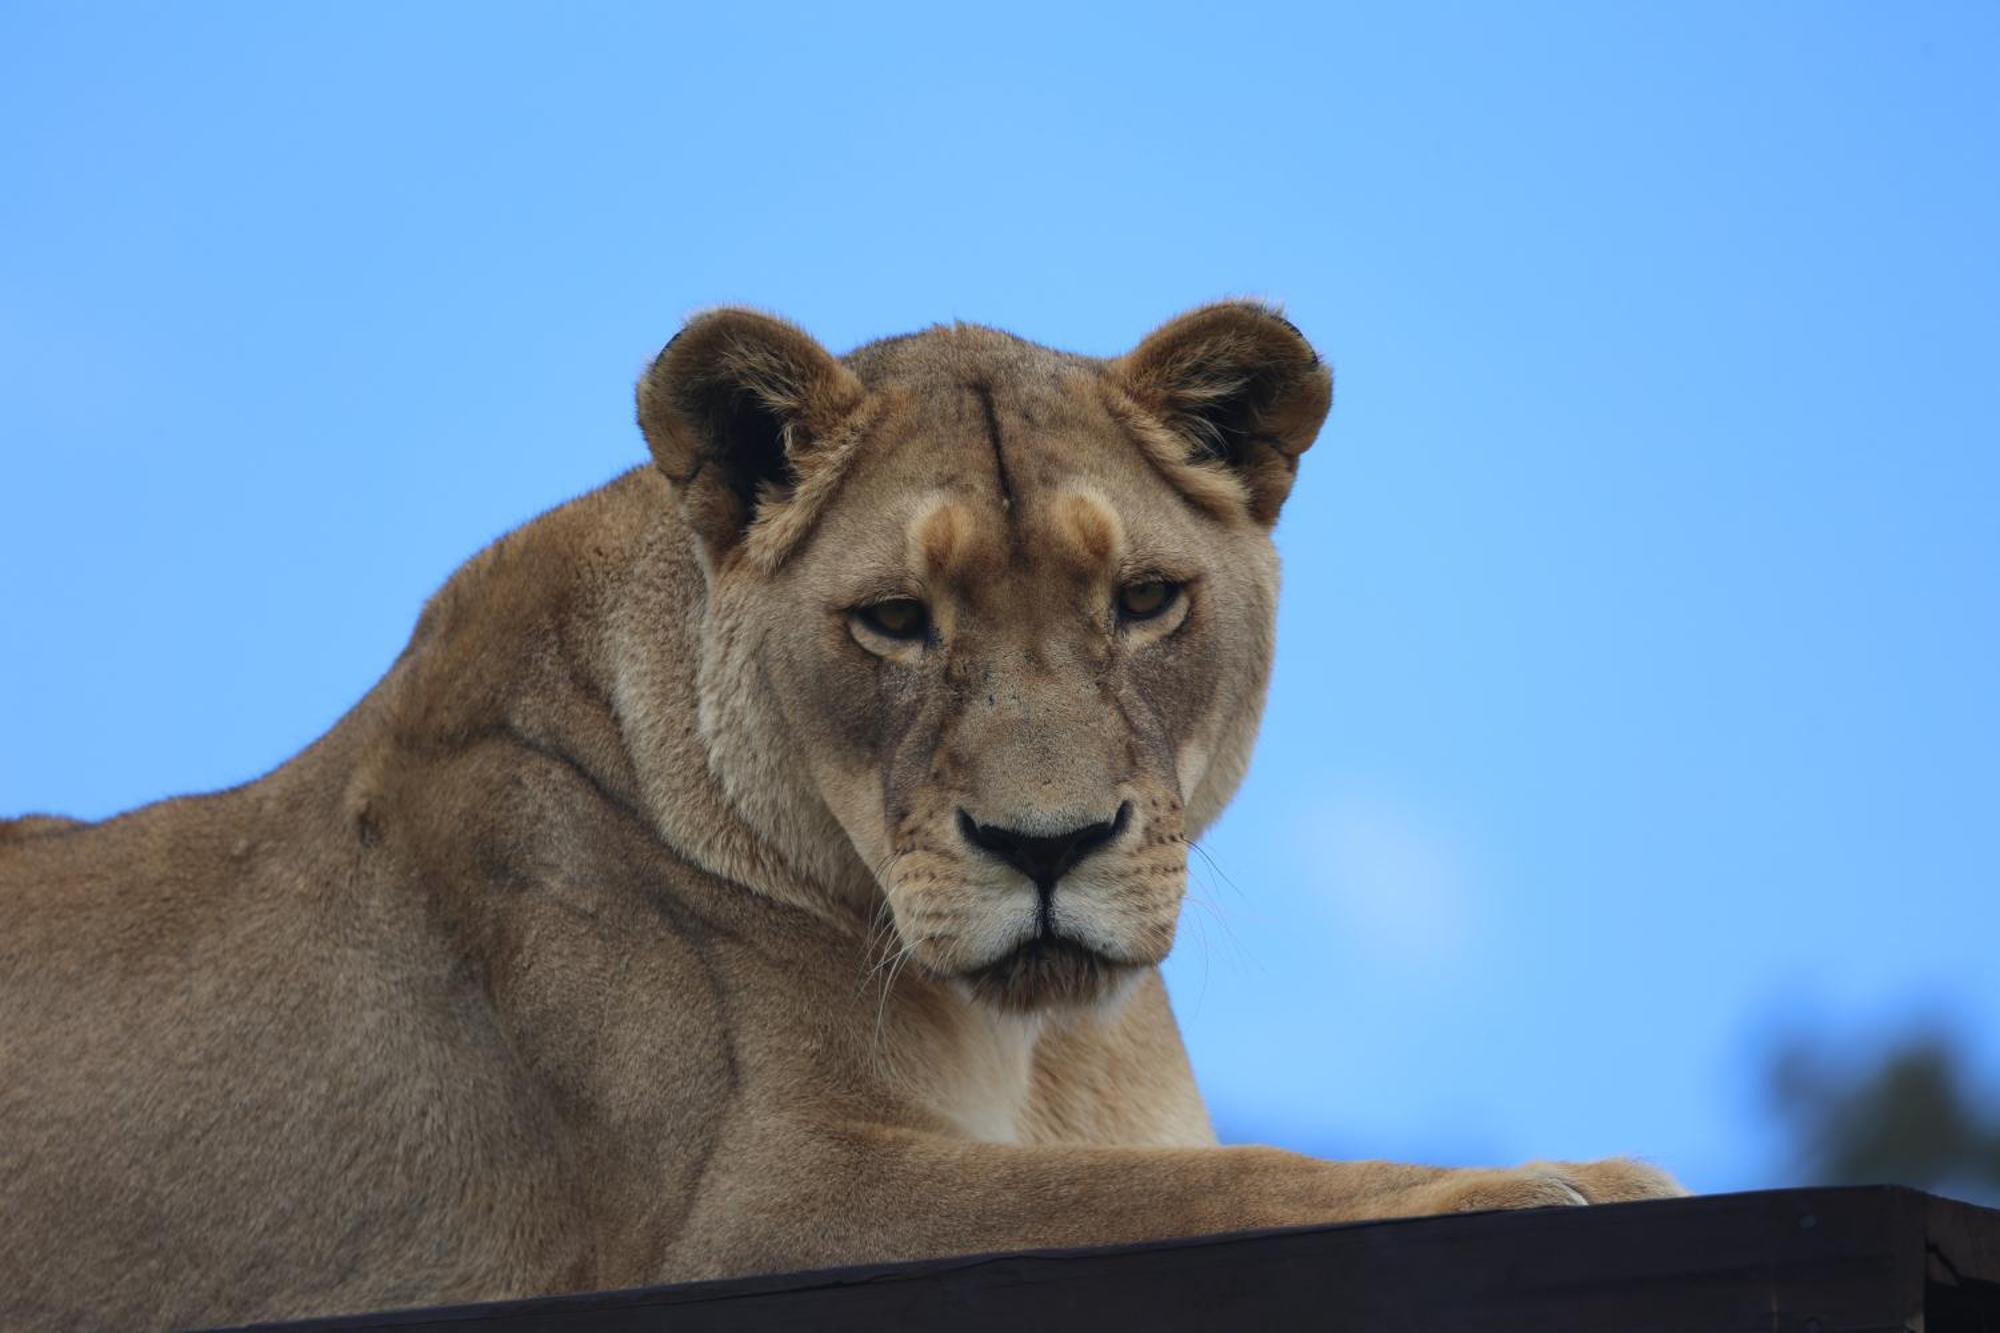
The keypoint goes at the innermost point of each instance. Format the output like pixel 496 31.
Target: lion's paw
pixel 1551 1185
pixel 1615 1179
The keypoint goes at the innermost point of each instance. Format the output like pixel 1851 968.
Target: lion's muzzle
pixel 1044 857
pixel 1048 962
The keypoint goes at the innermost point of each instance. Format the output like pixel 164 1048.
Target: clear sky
pixel 1636 693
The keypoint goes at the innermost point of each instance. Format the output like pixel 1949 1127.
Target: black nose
pixel 1043 857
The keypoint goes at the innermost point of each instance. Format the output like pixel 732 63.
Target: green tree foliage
pixel 1911 1115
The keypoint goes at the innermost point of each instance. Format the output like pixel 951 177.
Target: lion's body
pixel 504 986
pixel 430 1013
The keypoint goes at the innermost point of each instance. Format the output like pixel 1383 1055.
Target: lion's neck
pixel 754 820
pixel 580 635
pixel 984 1085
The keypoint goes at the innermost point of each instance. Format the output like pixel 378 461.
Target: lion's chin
pixel 1048 972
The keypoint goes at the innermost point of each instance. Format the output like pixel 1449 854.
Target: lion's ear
pixel 731 409
pixel 1236 386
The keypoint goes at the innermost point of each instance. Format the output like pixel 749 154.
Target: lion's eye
pixel 1147 598
pixel 897 618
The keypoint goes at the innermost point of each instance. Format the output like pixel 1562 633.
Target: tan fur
pixel 628 931
pixel 947 544
pixel 1089 534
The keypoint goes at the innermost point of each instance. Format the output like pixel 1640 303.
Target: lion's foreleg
pixel 859 1194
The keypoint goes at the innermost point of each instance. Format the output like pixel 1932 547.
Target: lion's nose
pixel 1043 857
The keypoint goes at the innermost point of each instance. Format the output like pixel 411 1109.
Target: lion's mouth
pixel 1048 969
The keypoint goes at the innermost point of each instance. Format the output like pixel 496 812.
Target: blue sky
pixel 1635 695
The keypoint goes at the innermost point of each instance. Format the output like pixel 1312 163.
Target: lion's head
pixel 988 625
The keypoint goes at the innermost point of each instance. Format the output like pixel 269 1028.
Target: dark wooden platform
pixel 1783 1261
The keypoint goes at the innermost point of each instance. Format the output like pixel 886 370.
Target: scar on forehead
pixel 1088 530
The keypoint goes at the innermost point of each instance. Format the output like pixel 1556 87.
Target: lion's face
pixel 1011 663
pixel 1005 614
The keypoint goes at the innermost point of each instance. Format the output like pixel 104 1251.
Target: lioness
pixel 759 863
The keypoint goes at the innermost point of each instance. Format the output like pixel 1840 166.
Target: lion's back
pixel 35 826
pixel 199 1064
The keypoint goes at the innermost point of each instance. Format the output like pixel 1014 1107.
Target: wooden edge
pixel 1961 1265
pixel 1795 1249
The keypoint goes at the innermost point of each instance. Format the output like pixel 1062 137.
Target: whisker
pixel 1201 895
pixel 1213 864
pixel 898 961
